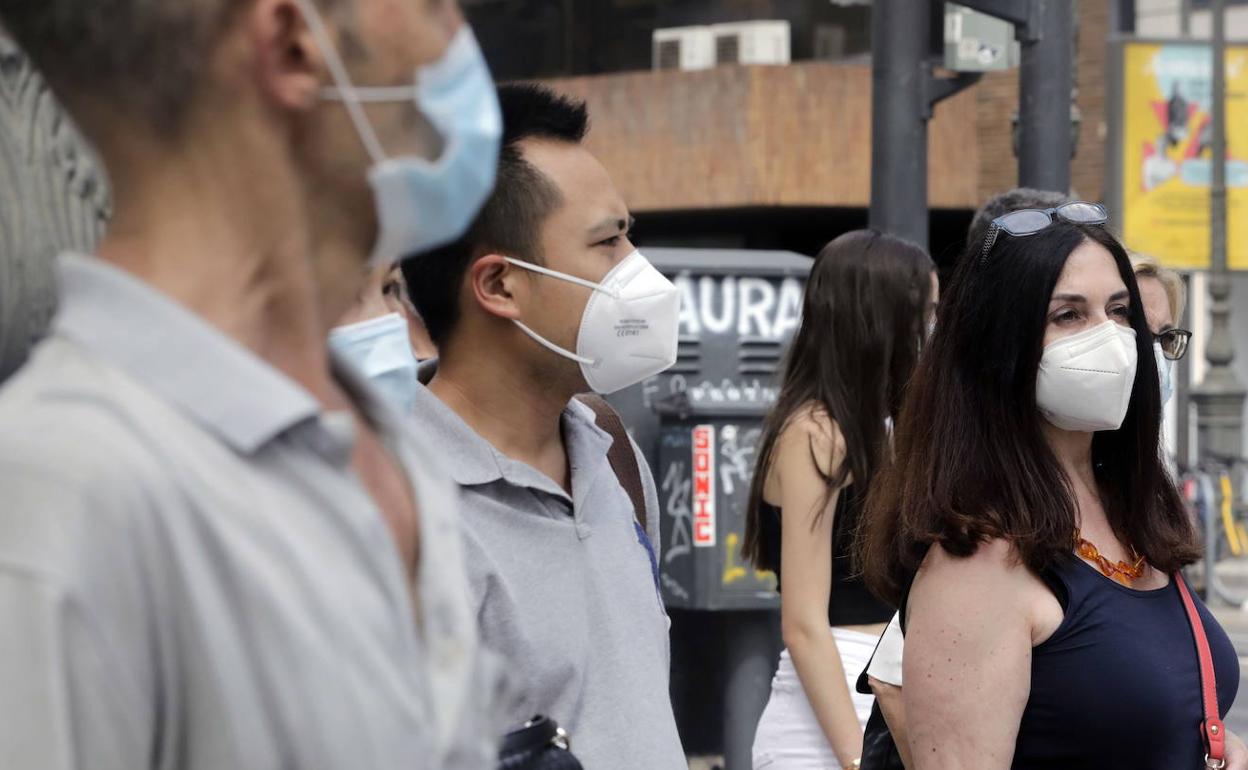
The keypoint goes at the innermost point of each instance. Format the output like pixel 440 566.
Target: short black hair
pixel 510 220
pixel 1004 203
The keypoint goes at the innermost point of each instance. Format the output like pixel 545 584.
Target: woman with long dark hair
pixel 869 301
pixel 1027 525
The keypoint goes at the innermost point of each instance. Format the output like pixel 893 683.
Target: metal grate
pixel 727 49
pixel 669 55
pixel 688 356
pixel 759 355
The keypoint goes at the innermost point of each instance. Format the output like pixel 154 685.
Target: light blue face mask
pixel 380 349
pixel 1165 370
pixel 424 204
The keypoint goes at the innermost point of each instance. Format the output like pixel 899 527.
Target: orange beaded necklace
pixel 1121 572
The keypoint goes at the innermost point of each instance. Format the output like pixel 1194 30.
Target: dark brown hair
pixel 861 330
pixel 971 462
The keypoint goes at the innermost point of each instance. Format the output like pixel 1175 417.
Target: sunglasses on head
pixel 1031 221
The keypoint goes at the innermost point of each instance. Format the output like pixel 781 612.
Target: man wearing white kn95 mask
pixel 544 300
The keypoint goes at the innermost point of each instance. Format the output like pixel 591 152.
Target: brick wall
pixel 1087 173
pixel 733 137
pixel 997 98
pixel 799 135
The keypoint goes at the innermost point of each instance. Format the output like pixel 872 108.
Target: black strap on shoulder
pixel 621 455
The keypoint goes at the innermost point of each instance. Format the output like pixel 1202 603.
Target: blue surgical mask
pixel 380 349
pixel 424 204
pixel 1165 370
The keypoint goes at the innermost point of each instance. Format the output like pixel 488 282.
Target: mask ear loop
pixel 372 94
pixel 345 91
pixel 552 347
pixel 539 339
pixel 563 276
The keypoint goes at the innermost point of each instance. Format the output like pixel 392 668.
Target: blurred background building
pixel 747 123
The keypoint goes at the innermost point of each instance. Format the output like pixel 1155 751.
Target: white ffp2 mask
pixel 629 328
pixel 1085 380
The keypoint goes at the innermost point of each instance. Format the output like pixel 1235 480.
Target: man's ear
pixel 494 283
pixel 289 65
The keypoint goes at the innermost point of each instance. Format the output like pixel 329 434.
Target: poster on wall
pixel 1166 151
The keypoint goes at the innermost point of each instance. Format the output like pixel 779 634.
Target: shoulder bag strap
pixel 1211 728
pixel 621 456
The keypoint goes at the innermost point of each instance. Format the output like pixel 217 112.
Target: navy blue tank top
pixel 1118 683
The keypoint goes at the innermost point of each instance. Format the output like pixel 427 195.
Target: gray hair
pixel 1004 203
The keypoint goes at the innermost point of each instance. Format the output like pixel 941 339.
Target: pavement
pixel 1233 575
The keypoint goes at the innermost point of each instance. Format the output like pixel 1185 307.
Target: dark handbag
pixel 540 745
pixel 879 750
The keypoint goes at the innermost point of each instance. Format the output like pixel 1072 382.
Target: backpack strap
pixel 621 455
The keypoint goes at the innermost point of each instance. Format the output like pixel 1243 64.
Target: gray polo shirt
pixel 566 588
pixel 193 578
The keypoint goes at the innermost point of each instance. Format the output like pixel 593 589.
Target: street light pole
pixel 1220 397
pixel 1044 115
pixel 899 42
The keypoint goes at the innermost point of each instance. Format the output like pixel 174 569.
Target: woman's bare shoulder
pixel 991 582
pixel 812 431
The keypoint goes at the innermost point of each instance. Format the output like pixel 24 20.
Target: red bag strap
pixel 1211 727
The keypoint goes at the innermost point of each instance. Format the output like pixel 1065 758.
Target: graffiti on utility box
pixel 704 486
pixel 746 307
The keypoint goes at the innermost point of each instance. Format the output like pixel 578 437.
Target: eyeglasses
pixel 1031 221
pixel 1173 343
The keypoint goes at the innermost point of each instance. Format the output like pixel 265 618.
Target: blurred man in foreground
pixel 217 548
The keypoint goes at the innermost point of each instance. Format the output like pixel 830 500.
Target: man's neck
pixel 232 246
pixel 519 417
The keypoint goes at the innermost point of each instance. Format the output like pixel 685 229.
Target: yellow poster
pixel 1167 141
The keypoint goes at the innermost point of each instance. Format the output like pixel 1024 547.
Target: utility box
pixel 699 422
pixel 977 42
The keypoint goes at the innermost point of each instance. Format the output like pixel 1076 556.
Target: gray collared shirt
pixel 567 588
pixel 192 576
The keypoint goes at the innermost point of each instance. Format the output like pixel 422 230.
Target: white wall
pixel 1160 18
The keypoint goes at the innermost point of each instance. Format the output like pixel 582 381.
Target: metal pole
pixel 899 42
pixel 1183 393
pixel 1044 148
pixel 1126 16
pixel 1220 398
pixel 751 662
pixel 1185 18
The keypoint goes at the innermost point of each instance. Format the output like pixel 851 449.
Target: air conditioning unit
pixel 752 42
pixel 683 48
